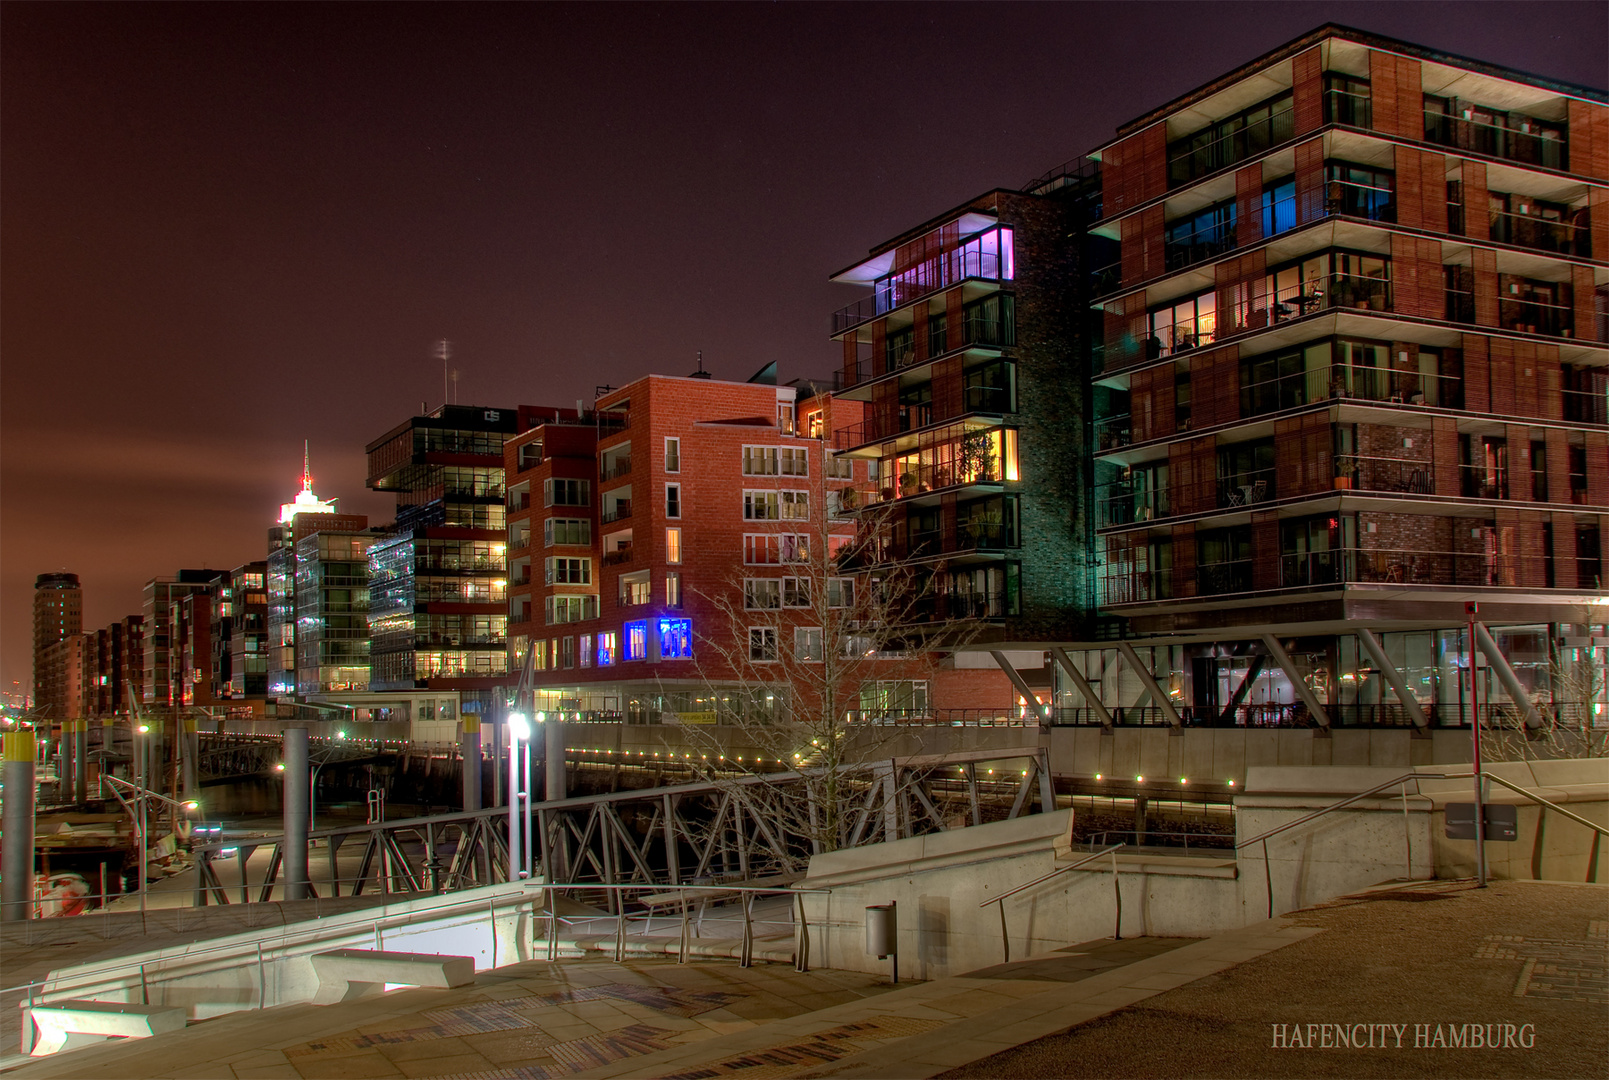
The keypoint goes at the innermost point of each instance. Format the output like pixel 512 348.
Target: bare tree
pixel 1574 709
pixel 809 667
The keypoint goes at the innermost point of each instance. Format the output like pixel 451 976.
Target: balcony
pixel 1200 159
pixel 940 607
pixel 1541 234
pixel 1339 567
pixel 1548 150
pixel 619 556
pixel 985 536
pixel 620 511
pixel 1389 385
pixel 1536 317
pixel 986 256
pixel 1481 482
pixel 1112 432
pixel 616 467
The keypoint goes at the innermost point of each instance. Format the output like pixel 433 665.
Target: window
pixel 762 644
pixel 539 654
pixel 840 468
pixel 673 545
pixel 903 697
pixel 760 461
pixel 568 609
pixel 807 644
pixel 776 505
pixel 635 589
pixel 559 492
pixel 761 594
pixel 673 590
pixel 576 532
pixel 636 634
pixel 568 572
pixel 771 549
pixel 1203 235
pixel 586 650
pixel 673 500
pixel 569 652
pixel 675 639
pixel 1359 191
pixel 608 648
pixel 1279 207
pixel 673 455
pixel 785 417
pixel 840 592
pixel 1187 324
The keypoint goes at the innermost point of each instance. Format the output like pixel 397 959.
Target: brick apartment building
pixel 1353 375
pixel 58 615
pixel 664 549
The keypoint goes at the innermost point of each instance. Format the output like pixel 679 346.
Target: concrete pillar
pixel 80 760
pixel 64 761
pixel 556 779
pixel 17 818
pixel 1141 804
pixel 297 799
pixel 469 743
pixel 189 749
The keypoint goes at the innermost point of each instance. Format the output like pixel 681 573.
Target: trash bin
pixel 882 929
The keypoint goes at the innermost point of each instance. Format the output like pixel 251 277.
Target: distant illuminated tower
pixel 303 516
pixel 305 502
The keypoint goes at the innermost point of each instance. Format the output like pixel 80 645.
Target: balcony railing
pixel 1530 148
pixel 936 607
pixel 1349 381
pixel 1120 504
pixel 617 467
pixel 1536 317
pixel 1586 407
pixel 1354 110
pixel 1224 151
pixel 914 417
pixel 1247 488
pixel 1523 230
pixel 620 511
pixel 1480 482
pixel 984 536
pixel 986 255
pixel 1112 432
pixel 1343 566
pixel 618 556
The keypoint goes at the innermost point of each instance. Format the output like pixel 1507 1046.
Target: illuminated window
pixel 675 639
pixel 586 650
pixel 569 572
pixel 636 640
pixel 568 609
pixel 608 647
pixel 762 644
pixel 760 594
pixel 776 505
pixel 673 545
pixel 673 500
pixel 770 549
pixel 569 652
pixel 807 644
pixel 673 455
pixel 673 590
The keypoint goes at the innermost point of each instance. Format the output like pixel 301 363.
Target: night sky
pixel 229 228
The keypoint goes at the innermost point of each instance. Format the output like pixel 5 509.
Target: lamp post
pixel 519 800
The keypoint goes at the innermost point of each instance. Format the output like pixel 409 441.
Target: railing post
pixel 262 981
pixel 1268 880
pixel 1005 938
pixel 1117 892
pixel 681 952
pixel 801 948
pixel 746 957
pixel 620 931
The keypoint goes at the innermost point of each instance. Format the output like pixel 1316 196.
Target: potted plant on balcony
pixel 977 457
pixel 1346 467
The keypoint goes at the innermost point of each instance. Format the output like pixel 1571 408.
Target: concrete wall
pixel 1387 837
pixel 221 975
pixel 940 881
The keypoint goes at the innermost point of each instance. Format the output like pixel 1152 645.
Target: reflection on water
pixel 255 803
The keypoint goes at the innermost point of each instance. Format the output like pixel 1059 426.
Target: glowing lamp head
pixel 145 729
pixel 519 726
pixel 280 767
pixel 192 805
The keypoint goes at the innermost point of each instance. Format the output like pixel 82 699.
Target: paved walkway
pixel 1432 960
pixel 1269 1000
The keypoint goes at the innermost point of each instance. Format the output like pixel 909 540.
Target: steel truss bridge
pixel 686 834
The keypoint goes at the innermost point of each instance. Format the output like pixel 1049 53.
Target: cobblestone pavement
pixel 1445 968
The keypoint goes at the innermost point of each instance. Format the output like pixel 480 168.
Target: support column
pixel 556 782
pixel 17 818
pixel 890 783
pixel 297 799
pixel 1392 676
pixel 1020 683
pixel 1085 690
pixel 1305 692
pixel 1148 681
pixel 1506 676
pixel 190 748
pixel 469 744
pixel 64 761
pixel 80 761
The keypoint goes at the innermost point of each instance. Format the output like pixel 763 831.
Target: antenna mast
pixel 444 352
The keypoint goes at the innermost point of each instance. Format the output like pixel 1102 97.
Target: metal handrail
pixel 1540 801
pixel 1403 779
pixel 746 893
pixel 1005 938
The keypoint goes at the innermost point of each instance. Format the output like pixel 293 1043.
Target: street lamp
pixel 519 797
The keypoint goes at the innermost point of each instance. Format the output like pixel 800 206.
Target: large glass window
pixel 1184 325
pixel 1203 235
pixel 675 639
pixel 1236 138
pixel 1359 191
